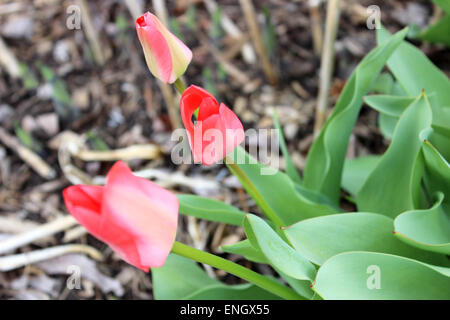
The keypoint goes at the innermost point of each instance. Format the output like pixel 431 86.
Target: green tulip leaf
pixel 326 157
pixel 378 276
pixel 277 252
pixel 210 209
pixel 398 171
pixel 318 239
pixel 426 229
pixel 415 72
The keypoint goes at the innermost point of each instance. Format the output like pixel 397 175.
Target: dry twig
pixel 255 34
pixel 326 67
pixel 37 233
pixel 19 260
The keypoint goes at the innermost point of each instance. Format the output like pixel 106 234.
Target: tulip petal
pixel 156 50
pixel 148 212
pixel 191 100
pixel 84 204
pixel 218 130
pixel 181 55
pixel 234 130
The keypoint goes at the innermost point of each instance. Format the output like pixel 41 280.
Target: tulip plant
pixel 395 246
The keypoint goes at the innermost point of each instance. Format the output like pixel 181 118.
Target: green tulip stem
pixel 179 84
pixel 261 281
pixel 252 190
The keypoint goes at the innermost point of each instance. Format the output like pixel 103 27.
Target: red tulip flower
pixel 134 216
pixel 217 131
pixel 167 56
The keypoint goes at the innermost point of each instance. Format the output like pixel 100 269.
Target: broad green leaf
pixel 277 252
pixel 356 171
pixel 319 239
pixel 245 248
pixel 291 170
pixel 415 72
pixel 390 105
pixel 425 229
pixel 181 278
pixel 210 209
pixel 378 276
pixel 325 161
pixel 285 206
pixel 437 33
pixel 394 185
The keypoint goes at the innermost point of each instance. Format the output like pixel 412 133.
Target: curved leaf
pixel 319 239
pixel 378 276
pixel 425 229
pixel 277 252
pixel 398 171
pixel 325 160
pixel 415 72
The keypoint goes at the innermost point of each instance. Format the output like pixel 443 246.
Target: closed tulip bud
pixel 134 216
pixel 167 57
pixel 217 131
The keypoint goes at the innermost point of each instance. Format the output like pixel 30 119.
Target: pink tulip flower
pixel 134 216
pixel 217 131
pixel 166 56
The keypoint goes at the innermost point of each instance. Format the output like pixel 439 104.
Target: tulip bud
pixel 217 131
pixel 166 56
pixel 134 216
